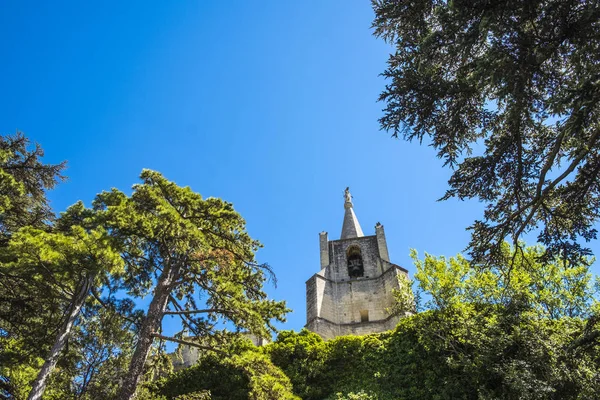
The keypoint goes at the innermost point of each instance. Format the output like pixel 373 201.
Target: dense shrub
pixel 458 353
pixel 248 375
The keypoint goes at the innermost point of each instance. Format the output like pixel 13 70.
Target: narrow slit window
pixel 364 316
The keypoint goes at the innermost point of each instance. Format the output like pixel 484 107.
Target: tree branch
pixel 187 312
pixel 187 343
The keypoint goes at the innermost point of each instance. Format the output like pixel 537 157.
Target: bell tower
pixel 353 291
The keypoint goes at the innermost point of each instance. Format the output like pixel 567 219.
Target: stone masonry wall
pixel 334 308
pixel 328 330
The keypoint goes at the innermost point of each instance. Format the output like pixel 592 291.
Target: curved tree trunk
pixel 39 385
pixel 150 326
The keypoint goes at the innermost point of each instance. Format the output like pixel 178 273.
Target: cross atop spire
pixel 351 227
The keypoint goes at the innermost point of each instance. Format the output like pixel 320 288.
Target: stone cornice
pixel 379 321
pixel 362 279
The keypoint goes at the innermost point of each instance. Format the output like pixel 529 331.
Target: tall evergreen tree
pixel 24 180
pixel 509 95
pixel 195 258
pixel 66 264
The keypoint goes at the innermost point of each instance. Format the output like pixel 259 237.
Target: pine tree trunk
pixel 39 385
pixel 150 326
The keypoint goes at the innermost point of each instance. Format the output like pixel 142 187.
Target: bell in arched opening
pixel 355 262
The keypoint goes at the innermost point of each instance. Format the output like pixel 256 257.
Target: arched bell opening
pixel 355 262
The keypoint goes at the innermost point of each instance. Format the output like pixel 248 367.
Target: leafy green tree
pixel 405 301
pixel 548 290
pixel 524 332
pixel 67 263
pixel 91 363
pixel 196 259
pixel 508 93
pixel 24 180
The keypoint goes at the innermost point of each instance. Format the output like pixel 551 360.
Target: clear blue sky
pixel 270 105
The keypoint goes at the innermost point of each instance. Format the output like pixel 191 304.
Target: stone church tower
pixel 352 292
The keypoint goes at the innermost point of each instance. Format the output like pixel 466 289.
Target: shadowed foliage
pixel 508 92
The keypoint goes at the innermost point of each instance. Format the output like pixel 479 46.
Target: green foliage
pixel 533 336
pixel 455 353
pixel 548 290
pixel 485 336
pixel 26 321
pixel 362 395
pixel 249 375
pixel 201 395
pixel 53 265
pixel 405 300
pixel 132 243
pixel 302 357
pixel 17 368
pixel 164 227
pixel 62 258
pixel 507 91
pixel 24 180
pixel 195 257
pixel 99 352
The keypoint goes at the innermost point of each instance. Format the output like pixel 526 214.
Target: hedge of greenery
pixel 452 355
pixel 248 375
pixel 458 353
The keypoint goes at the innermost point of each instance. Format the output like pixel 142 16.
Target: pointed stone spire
pixel 351 227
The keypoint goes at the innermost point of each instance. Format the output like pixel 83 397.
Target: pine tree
pixel 195 258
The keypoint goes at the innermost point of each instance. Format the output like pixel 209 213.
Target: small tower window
pixel 355 262
pixel 364 316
